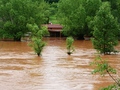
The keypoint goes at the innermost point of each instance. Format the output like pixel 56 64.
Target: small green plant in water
pixel 102 67
pixel 37 37
pixel 37 45
pixel 69 43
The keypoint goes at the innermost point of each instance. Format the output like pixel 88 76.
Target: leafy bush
pixel 102 67
pixel 37 37
pixel 37 45
pixel 69 43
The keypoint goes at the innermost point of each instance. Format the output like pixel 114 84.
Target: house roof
pixel 54 27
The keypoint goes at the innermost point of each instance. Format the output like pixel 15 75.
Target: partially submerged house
pixel 54 30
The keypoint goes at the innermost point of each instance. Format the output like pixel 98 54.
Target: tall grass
pixel 53 19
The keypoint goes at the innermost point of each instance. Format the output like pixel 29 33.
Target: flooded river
pixel 22 69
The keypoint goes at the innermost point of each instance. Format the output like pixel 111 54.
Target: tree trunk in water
pixel 38 54
pixel 17 39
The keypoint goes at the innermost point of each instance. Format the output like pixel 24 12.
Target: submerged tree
pixel 37 37
pixel 69 43
pixel 105 30
pixel 37 45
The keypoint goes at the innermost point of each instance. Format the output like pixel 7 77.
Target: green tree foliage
pixel 102 67
pixel 91 6
pixel 37 37
pixel 105 30
pixel 15 14
pixel 53 9
pixel 37 45
pixel 72 16
pixel 115 7
pixel 69 44
pixel 75 15
pixel 36 31
pixel 111 87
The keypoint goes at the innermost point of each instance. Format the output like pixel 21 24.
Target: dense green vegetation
pixel 75 16
pixel 53 20
pixel 53 10
pixel 106 30
pixel 15 14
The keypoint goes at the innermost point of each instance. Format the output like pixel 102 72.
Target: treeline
pixel 76 16
pixel 16 14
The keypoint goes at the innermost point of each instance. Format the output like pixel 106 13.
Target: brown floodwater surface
pixel 22 69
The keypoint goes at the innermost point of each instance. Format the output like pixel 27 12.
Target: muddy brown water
pixel 22 69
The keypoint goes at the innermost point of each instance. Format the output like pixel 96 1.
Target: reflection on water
pixel 21 69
